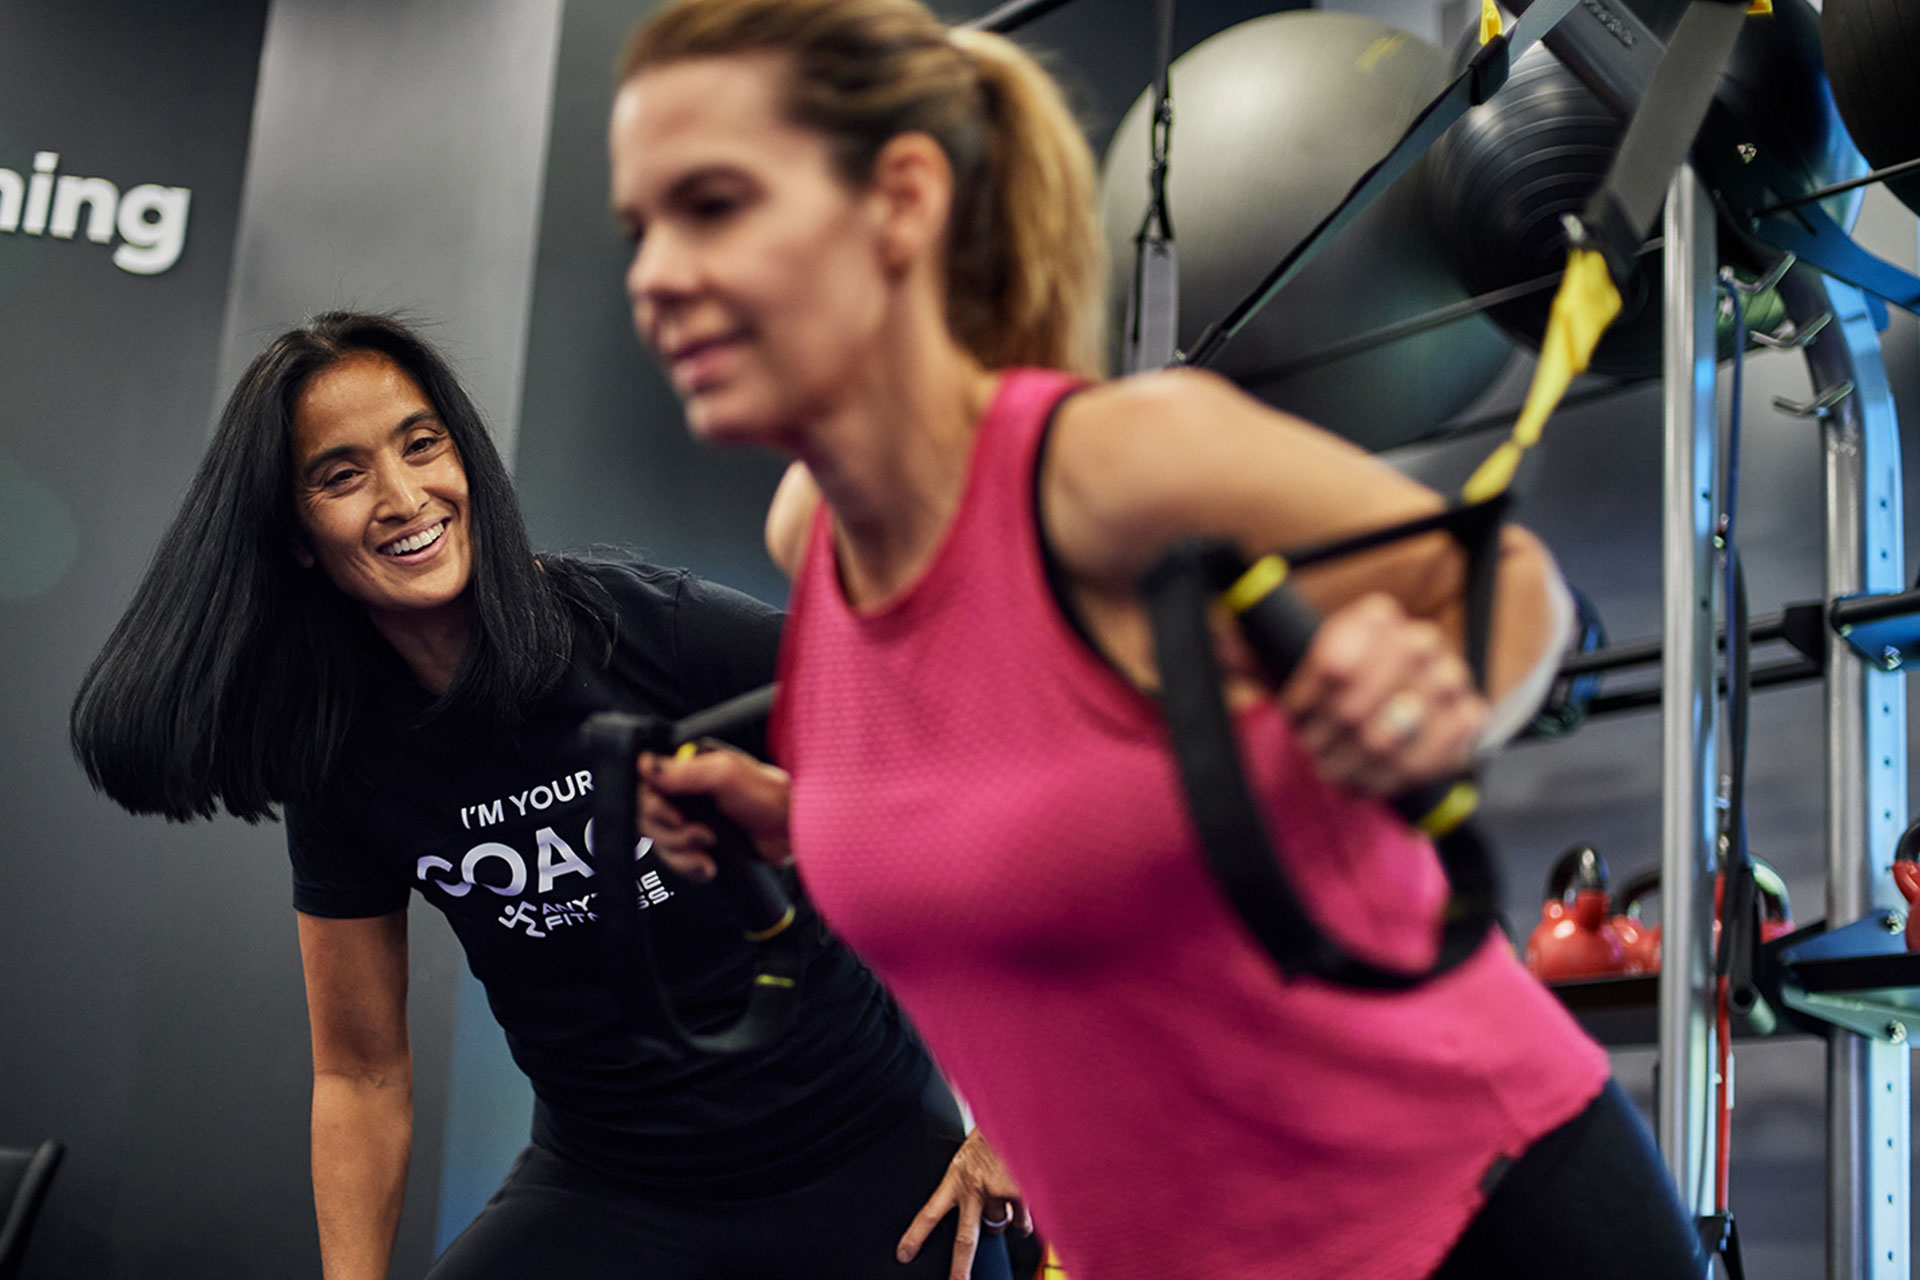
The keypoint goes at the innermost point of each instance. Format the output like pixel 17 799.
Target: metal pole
pixel 1868 1157
pixel 1690 482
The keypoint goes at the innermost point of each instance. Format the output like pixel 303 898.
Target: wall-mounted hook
pixel 1819 408
pixel 1775 274
pixel 1788 338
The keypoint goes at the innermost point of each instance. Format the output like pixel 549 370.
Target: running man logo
pixel 151 220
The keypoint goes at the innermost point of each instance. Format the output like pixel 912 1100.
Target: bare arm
pixel 1136 464
pixel 356 976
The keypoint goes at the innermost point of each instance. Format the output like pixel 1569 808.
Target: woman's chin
pixel 714 421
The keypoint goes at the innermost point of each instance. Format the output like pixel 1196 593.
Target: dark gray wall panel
pixel 136 957
pixel 395 163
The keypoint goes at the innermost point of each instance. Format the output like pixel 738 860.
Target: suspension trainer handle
pixel 1179 591
pixel 614 741
pixel 1280 626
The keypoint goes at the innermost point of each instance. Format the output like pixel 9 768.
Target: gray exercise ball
pixel 1274 120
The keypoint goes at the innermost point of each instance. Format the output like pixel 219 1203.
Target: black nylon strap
pixel 1476 527
pixel 1239 851
pixel 613 741
pixel 1662 130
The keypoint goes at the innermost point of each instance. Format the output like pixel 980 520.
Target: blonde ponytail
pixel 1026 270
pixel 1041 227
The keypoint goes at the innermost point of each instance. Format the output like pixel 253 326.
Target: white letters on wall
pixel 151 219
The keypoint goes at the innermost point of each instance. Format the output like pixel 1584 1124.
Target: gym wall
pixel 145 1017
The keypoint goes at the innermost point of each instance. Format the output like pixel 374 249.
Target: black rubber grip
pixel 1280 626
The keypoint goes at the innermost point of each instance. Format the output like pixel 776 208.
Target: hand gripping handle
pixel 1280 626
pixel 614 741
pixel 1179 591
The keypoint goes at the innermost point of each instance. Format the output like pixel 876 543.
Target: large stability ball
pixel 1274 120
pixel 1873 57
pixel 1505 175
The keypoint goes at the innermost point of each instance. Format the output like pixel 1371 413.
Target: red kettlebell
pixel 1642 940
pixel 1575 939
pixel 1639 939
pixel 1906 874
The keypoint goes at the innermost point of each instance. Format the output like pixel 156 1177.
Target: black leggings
pixel 551 1217
pixel 1591 1200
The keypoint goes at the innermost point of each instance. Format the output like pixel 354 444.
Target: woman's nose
pixel 400 495
pixel 660 271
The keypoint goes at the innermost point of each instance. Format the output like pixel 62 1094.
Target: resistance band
pixel 613 741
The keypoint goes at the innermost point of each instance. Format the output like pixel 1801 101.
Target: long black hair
pixel 235 675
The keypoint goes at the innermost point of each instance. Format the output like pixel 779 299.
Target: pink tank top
pixel 989 815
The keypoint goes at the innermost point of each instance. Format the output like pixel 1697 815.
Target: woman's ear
pixel 913 183
pixel 302 556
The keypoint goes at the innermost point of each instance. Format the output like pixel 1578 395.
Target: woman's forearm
pixel 362 1140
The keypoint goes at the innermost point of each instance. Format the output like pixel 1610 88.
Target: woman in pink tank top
pixel 869 240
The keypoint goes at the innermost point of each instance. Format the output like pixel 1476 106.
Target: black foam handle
pixel 1280 627
pixel 1178 590
pixel 742 876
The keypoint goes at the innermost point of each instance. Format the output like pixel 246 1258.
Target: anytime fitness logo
pixel 151 220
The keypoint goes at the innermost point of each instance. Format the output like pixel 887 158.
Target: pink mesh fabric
pixel 989 816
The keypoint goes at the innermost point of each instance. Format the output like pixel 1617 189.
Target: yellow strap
pixel 1760 6
pixel 1582 310
pixel 771 980
pixel 1262 577
pixel 773 930
pixel 1490 25
pixel 1454 809
pixel 1051 1268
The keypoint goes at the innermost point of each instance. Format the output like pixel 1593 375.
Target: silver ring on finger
pixel 989 1224
pixel 1403 716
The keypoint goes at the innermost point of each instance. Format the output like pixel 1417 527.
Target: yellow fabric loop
pixel 1259 581
pixel 771 980
pixel 1490 25
pixel 1582 310
pixel 1454 809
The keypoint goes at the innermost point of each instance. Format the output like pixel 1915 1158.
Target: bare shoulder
pixel 790 517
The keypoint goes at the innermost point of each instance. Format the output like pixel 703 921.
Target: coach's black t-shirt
pixel 492 830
